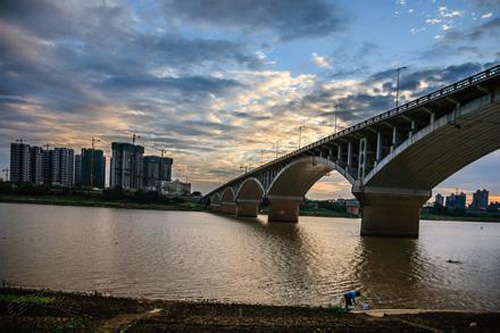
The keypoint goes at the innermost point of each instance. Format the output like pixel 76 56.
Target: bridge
pixel 392 160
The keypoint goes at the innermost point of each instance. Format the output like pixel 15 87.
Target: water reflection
pixel 188 255
pixel 388 262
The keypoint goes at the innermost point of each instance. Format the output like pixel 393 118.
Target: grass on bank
pixel 30 299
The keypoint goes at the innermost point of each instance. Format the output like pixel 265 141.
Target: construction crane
pixel 134 137
pixel 162 151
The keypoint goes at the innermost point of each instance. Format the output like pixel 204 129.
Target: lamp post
pixel 276 147
pixel 335 116
pixel 398 70
pixel 300 134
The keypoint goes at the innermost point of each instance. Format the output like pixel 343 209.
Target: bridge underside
pixel 392 163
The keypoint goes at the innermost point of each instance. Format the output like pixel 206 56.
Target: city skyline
pixel 215 90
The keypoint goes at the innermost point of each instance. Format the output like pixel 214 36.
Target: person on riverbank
pixel 350 298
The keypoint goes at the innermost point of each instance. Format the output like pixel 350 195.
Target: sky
pixel 226 84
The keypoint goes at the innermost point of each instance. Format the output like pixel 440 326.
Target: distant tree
pixel 6 187
pixel 114 193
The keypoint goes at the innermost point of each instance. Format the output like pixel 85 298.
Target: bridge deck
pixel 439 102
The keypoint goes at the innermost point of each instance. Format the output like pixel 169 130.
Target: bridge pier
pixel 391 212
pixel 247 208
pixel 284 209
pixel 229 208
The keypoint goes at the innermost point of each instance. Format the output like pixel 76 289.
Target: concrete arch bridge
pixel 392 160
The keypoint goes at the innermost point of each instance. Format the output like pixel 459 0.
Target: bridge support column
pixel 229 208
pixel 391 212
pixel 248 208
pixel 284 209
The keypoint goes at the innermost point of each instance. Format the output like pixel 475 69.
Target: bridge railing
pixel 460 85
pixel 446 91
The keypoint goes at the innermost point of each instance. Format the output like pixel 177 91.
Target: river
pixel 197 256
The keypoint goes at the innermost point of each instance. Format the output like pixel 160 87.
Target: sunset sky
pixel 217 83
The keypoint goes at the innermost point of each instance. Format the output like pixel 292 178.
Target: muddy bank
pixel 27 310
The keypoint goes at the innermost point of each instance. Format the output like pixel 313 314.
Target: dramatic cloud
pixel 289 19
pixel 219 84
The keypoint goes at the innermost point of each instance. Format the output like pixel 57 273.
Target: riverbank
pixel 192 206
pixel 432 217
pixel 29 310
pixel 97 202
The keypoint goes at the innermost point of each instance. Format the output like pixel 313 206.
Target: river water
pixel 196 255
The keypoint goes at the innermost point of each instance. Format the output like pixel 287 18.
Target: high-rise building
pixel 126 165
pixel 151 172
pixel 78 169
pixel 456 201
pixel 66 166
pixel 93 160
pixel 58 166
pixel 20 165
pixel 36 160
pixel 166 169
pixel 480 200
pixel 156 169
pixel 439 200
pixel 47 167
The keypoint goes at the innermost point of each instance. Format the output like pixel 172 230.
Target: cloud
pixel 487 16
pixel 451 43
pixel 188 84
pixel 485 4
pixel 320 61
pixel 195 77
pixel 360 99
pixel 288 19
pixel 415 31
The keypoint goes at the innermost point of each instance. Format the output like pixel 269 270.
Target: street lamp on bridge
pixel 300 133
pixel 276 147
pixel 398 70
pixel 335 116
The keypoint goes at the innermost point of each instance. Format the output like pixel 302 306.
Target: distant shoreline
pixel 33 310
pixel 189 206
pixel 81 202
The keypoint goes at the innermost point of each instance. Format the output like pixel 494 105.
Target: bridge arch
pixel 393 193
pixel 215 199
pixel 228 205
pixel 289 187
pixel 250 189
pixel 299 176
pixel 228 195
pixel 249 196
pixel 441 149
